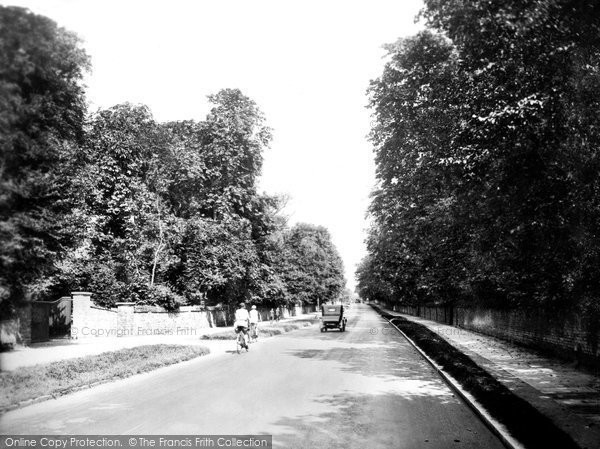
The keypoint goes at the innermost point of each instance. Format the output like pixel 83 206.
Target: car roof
pixel 331 308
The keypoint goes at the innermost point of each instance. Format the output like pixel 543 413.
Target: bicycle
pixel 240 342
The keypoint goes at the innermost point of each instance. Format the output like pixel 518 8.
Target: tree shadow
pixel 583 403
pixel 394 399
pixel 377 360
pixel 383 421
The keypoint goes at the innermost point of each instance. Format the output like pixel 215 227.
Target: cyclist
pixel 271 316
pixel 241 324
pixel 254 323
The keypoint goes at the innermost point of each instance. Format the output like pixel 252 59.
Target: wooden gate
pixel 60 317
pixel 40 327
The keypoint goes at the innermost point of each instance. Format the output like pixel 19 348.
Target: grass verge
pixel 266 331
pixel 58 378
pixel 524 421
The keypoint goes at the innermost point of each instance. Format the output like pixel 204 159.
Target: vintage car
pixel 332 317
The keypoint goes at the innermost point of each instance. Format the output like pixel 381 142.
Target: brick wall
pixel 567 336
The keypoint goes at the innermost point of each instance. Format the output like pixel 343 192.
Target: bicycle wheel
pixel 239 343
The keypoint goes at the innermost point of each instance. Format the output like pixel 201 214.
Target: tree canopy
pixel 42 111
pixel 486 142
pixel 312 268
pixel 133 209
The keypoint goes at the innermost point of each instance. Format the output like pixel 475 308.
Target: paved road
pixel 358 389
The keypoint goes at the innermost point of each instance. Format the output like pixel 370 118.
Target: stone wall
pixel 92 321
pixel 17 330
pixel 285 312
pixel 9 331
pixel 88 320
pixel 188 321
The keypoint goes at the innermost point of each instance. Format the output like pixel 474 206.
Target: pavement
pixel 568 395
pixel 62 349
pixel 353 390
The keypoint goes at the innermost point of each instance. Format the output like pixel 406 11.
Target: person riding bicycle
pixel 271 316
pixel 254 318
pixel 242 322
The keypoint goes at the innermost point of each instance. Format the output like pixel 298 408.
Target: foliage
pixel 215 163
pixel 42 109
pixel 126 207
pixel 486 140
pixel 312 268
pixel 214 257
pixel 160 295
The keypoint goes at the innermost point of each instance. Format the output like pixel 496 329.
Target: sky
pixel 306 63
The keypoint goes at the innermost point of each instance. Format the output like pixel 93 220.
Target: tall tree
pixel 132 228
pixel 42 110
pixel 417 103
pixel 217 161
pixel 486 143
pixel 533 78
pixel 312 270
pixel 215 259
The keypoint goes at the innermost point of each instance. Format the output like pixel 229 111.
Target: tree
pixel 312 268
pixel 533 77
pixel 485 149
pixel 268 233
pixel 131 229
pixel 124 206
pixel 215 258
pixel 42 110
pixel 176 205
pixel 418 103
pixel 210 175
pixel 216 162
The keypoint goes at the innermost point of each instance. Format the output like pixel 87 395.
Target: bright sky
pixel 306 63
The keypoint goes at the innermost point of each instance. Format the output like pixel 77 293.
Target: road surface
pixel 365 388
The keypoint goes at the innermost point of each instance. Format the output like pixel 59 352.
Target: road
pixel 365 388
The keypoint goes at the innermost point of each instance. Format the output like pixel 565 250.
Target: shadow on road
pixel 380 361
pixel 404 395
pixel 386 396
pixel 380 421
